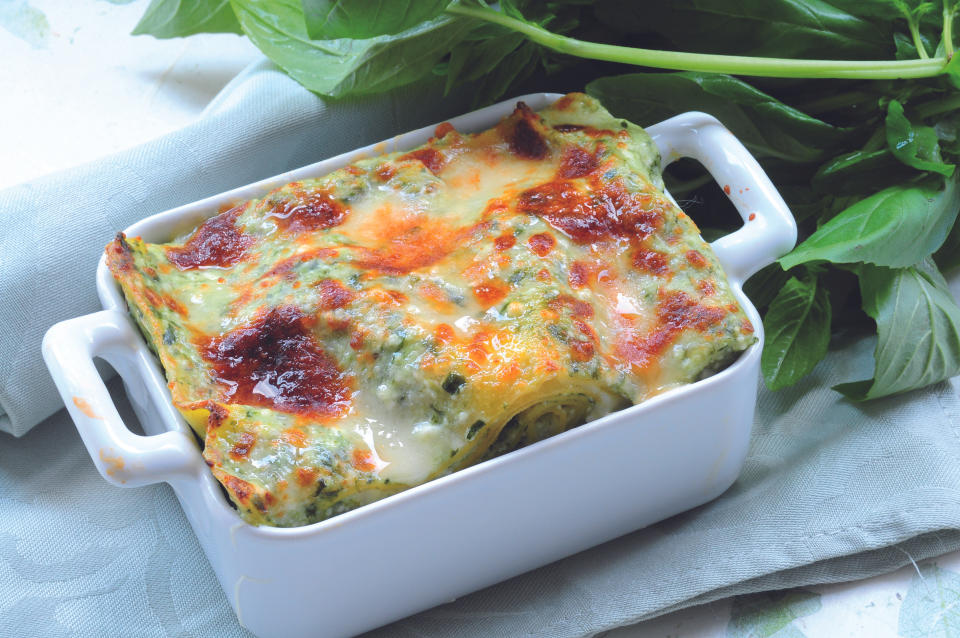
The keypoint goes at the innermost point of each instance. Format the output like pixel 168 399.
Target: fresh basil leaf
pixel 333 19
pixel 947 128
pixel 906 49
pixel 952 71
pixel 859 172
pixel 803 202
pixel 471 59
pixel 764 286
pixel 833 206
pixel 495 58
pixel 342 67
pixel 768 127
pixel 797 327
pixel 884 9
pixel 897 227
pixel 948 255
pixel 926 15
pixel 771 28
pixel 513 69
pixel 915 146
pixel 511 9
pixel 178 18
pixel 918 330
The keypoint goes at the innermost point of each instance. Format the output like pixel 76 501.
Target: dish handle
pixel 769 230
pixel 122 457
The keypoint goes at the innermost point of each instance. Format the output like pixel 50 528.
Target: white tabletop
pixel 77 86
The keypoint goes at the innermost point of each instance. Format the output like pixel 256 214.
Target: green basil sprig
pixel 918 324
pixel 797 326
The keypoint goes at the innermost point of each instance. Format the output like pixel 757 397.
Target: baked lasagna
pixel 350 336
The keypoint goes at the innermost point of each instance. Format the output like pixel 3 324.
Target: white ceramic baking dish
pixel 457 534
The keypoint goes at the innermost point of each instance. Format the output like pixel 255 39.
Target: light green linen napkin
pixel 831 490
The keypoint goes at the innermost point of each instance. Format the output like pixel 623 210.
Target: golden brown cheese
pixel 347 337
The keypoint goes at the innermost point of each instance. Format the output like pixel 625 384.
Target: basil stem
pixel 711 63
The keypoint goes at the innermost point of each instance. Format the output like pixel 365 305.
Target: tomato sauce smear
pixel 414 244
pixel 119 255
pixel 217 242
pixel 542 243
pixel 243 445
pixel 241 489
pixel 650 261
pixel 275 362
pixel 696 259
pixel 524 138
pixel 306 210
pixel 602 211
pixel 576 162
pixel 491 292
pixel 579 275
pixel 504 242
pixel 333 294
pixel 676 312
pixel 442 129
pixel 578 309
pixel 431 158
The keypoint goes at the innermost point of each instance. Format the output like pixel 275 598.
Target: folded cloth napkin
pixel 831 490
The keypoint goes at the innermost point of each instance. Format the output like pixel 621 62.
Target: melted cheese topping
pixel 350 336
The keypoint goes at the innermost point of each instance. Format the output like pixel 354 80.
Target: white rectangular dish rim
pixel 768 232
